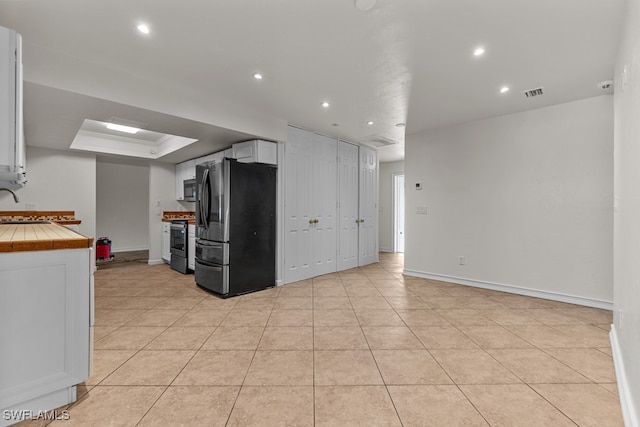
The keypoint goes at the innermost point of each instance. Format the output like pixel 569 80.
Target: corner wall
pixel 58 181
pixel 625 333
pixel 122 194
pixel 162 197
pixel 525 199
pixel 385 200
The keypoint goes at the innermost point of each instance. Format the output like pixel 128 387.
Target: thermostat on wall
pixel 418 186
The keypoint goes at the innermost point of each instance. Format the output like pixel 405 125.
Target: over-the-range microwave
pixel 190 190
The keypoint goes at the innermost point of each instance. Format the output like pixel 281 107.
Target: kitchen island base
pixel 45 327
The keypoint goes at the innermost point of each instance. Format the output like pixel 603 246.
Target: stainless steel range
pixel 178 245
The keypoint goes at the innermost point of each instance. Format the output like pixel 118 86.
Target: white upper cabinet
pixel 12 156
pixel 256 151
pixel 215 157
pixel 185 170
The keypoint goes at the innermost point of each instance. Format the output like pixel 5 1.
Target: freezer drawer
pixel 213 277
pixel 212 252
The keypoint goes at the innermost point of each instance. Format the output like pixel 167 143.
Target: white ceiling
pixel 404 61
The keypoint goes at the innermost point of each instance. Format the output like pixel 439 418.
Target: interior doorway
pixel 398 212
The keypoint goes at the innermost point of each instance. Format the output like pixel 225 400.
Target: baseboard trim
pixel 571 299
pixel 156 261
pixel 629 413
pixel 116 250
pixel 385 250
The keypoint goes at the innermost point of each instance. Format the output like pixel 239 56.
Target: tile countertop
pixel 168 216
pixel 40 237
pixel 59 217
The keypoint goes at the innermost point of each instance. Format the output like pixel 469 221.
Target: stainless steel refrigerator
pixel 235 227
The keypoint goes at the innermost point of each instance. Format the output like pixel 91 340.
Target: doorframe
pixel 394 193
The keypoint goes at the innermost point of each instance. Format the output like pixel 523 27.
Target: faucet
pixel 15 197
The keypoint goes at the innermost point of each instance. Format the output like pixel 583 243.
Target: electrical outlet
pixel 421 210
pixel 462 260
pixel 30 206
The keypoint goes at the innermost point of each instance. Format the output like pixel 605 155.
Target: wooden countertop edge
pixel 73 240
pixel 190 221
pixel 45 245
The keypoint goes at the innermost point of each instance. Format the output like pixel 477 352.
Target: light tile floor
pixel 366 347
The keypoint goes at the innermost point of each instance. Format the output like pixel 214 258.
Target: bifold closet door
pixel 310 246
pixel 347 206
pixel 324 210
pixel 298 189
pixel 368 196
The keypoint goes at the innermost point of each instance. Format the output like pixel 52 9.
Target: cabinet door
pixel 348 205
pixel 190 170
pixel 298 206
pixel 166 242
pixel 191 247
pixel 324 198
pixel 368 195
pixel 180 168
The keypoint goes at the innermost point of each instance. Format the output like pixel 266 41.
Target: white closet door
pixel 298 259
pixel 348 205
pixel 368 239
pixel 324 197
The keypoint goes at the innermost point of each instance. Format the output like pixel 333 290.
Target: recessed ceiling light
pixel 122 128
pixel 479 51
pixel 369 123
pixel 257 76
pixel 143 28
pixel 325 104
pixel 364 5
pixel 504 89
pixel 400 125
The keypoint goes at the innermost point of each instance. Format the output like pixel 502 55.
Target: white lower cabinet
pixel 45 325
pixel 191 247
pixel 166 242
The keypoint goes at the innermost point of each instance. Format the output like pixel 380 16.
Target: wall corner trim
pixel 571 299
pixel 629 413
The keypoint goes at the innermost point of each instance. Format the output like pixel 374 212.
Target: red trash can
pixel 103 248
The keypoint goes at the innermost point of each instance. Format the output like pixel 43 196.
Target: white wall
pixel 526 198
pixel 161 197
pixel 122 205
pixel 385 200
pixel 59 180
pixel 626 291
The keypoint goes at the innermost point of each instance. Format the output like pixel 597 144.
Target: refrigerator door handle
pixel 204 199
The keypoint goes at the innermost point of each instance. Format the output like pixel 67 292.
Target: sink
pixel 24 222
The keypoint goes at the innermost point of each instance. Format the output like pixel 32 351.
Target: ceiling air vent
pixel 377 141
pixel 533 92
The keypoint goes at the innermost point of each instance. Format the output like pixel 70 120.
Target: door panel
pixel 298 205
pixel 368 239
pixel 348 205
pixel 325 152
